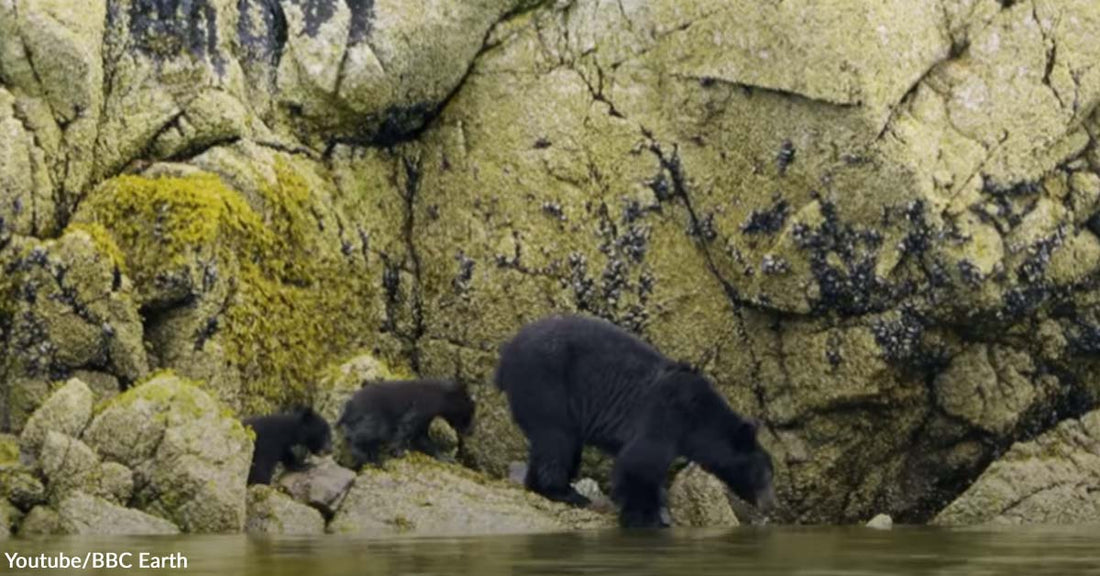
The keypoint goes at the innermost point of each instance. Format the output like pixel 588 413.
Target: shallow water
pixel 751 551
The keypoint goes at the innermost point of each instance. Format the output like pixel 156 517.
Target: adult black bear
pixel 396 415
pixel 278 435
pixel 574 381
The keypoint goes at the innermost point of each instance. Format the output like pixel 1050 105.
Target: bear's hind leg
pixel 554 458
pixel 260 472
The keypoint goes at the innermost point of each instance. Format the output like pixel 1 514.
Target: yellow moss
pixel 403 524
pixel 293 308
pixel 103 241
pixel 9 449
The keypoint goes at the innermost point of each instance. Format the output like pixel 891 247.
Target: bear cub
pixel 575 381
pixel 279 437
pixel 391 417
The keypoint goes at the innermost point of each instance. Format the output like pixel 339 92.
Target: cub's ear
pixel 303 413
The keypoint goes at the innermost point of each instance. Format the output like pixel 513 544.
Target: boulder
pixel 81 514
pixel 189 455
pixel 67 412
pixel 68 465
pixel 423 496
pixel 696 498
pixel 1053 479
pixel 272 512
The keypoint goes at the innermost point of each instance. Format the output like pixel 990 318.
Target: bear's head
pixel 459 409
pixel 313 431
pixel 748 471
pixel 720 440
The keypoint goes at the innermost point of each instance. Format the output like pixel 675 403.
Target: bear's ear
pixel 303 413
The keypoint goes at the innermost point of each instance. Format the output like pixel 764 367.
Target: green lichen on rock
pixel 189 453
pixel 70 309
pixel 422 496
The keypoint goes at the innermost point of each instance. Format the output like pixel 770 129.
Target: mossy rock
pixel 272 512
pixel 67 412
pixel 248 294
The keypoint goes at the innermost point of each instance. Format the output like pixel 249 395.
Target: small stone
pixel 881 522
pixel 517 472
pixel 321 486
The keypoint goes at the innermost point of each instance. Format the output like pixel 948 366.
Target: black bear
pixel 395 416
pixel 573 381
pixel 279 435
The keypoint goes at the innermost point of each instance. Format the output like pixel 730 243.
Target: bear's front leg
pixel 639 475
pixel 294 458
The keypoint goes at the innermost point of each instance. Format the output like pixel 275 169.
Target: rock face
pixel 271 512
pixel 1053 479
pixel 422 496
pixel 874 226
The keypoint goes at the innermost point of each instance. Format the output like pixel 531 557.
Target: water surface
pixel 751 551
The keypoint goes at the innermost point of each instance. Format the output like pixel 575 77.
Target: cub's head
pixel 313 431
pixel 460 409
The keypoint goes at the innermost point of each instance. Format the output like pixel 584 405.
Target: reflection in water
pixel 752 551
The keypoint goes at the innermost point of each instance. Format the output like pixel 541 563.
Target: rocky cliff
pixel 874 225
